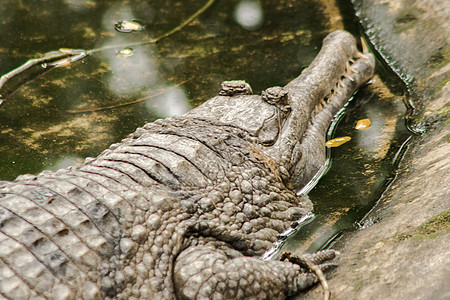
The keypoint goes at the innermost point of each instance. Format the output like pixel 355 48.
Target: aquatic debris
pixel 336 142
pixel 66 50
pixel 52 57
pixel 362 124
pixel 128 103
pixel 74 55
pixel 129 26
pixel 126 52
pixel 59 63
pixel 55 59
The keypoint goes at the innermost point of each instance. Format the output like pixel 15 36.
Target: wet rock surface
pixel 402 252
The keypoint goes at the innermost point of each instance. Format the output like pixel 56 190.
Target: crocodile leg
pixel 213 271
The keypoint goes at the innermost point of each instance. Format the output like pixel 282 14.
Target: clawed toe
pixel 328 267
pixel 321 256
pixel 317 263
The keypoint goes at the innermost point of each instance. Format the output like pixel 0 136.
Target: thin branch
pixel 54 59
pixel 165 35
pixel 188 20
pixel 70 111
pixel 66 56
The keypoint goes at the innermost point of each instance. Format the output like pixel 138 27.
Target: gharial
pixel 182 207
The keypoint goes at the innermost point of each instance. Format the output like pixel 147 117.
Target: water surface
pixel 266 43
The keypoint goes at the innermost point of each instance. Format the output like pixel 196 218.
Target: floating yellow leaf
pixel 338 141
pixel 362 124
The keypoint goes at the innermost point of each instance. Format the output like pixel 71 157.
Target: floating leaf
pixel 362 124
pixel 129 26
pixel 338 141
pixel 126 52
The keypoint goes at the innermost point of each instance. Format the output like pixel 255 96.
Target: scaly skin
pixel 181 206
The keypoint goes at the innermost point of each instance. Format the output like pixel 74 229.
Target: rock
pixel 405 254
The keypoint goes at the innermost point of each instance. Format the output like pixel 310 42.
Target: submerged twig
pixel 53 59
pixel 187 21
pixel 70 111
pixel 66 56
pixel 48 57
pixel 163 36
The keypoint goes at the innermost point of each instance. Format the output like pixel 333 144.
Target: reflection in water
pixel 116 13
pixel 375 141
pixel 130 74
pixel 139 72
pixel 66 162
pixel 368 140
pixel 249 14
pixel 78 5
pixel 174 102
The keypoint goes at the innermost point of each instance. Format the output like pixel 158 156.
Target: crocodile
pixel 183 207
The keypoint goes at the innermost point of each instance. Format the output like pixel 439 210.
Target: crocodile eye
pixel 277 96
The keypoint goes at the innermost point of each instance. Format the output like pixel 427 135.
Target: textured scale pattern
pixel 180 208
pixel 128 202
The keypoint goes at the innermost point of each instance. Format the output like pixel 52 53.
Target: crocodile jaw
pixel 290 136
pixel 315 97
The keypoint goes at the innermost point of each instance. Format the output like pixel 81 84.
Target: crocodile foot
pixel 317 263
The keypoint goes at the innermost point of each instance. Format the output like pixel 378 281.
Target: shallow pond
pixel 55 116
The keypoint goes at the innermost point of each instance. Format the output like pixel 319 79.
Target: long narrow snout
pixel 315 97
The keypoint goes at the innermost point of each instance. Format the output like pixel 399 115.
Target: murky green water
pixel 266 43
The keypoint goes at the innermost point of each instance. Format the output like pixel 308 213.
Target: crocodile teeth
pixel 316 110
pixel 323 102
pixel 365 47
pixel 350 69
pixel 360 55
pixel 348 77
